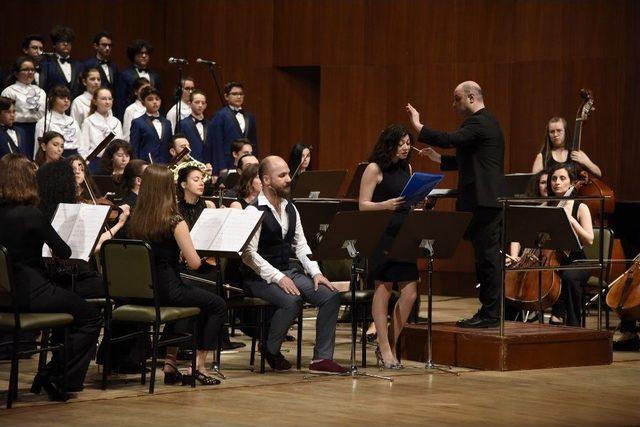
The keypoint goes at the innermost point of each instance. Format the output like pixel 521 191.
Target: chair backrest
pixel 127 267
pixel 592 251
pixel 5 279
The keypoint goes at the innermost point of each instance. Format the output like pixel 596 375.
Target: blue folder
pixel 419 186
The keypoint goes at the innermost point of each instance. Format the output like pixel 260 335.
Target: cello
pixel 624 292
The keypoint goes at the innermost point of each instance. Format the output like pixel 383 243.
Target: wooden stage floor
pixel 596 395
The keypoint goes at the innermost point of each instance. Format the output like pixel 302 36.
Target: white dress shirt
pixel 107 72
pixel 14 137
pixel 66 68
pixel 63 124
pixel 132 112
pixel 157 124
pixel 185 111
pixel 95 129
pixel 144 74
pixel 29 100
pixel 240 119
pixel 264 269
pixel 80 107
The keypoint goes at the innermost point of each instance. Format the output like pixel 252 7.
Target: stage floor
pixel 598 395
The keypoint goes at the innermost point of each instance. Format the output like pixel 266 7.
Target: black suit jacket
pixel 479 159
pixel 55 77
pixel 188 128
pixel 113 72
pixel 8 146
pixel 222 131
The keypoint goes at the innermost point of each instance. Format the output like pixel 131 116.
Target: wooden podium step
pixel 524 346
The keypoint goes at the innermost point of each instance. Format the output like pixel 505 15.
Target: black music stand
pixel 314 184
pixel 430 235
pixel 354 235
pixel 354 187
pixel 540 227
pixel 316 215
pixel 517 183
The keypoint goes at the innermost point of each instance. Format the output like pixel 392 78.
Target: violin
pixel 587 184
pixel 114 211
pixel 624 292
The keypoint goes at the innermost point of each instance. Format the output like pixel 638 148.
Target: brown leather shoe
pixel 327 367
pixel 277 362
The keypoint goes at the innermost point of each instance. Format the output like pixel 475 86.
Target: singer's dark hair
pixel 197 92
pixel 60 33
pixel 136 47
pixel 16 67
pixel 101 34
pixel 59 91
pixel 148 91
pixel 106 162
pixel 229 86
pixel 6 103
pixel 387 145
pixel 56 184
pixel 295 157
pixel 238 143
pixel 26 40
pixel 85 75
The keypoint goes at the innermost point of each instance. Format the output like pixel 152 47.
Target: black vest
pixel 272 247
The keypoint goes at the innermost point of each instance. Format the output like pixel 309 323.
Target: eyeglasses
pixel 236 93
pixel 28 70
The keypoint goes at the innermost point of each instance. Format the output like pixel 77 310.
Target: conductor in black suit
pixel 479 160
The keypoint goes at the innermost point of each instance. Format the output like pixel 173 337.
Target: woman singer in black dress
pixel 382 182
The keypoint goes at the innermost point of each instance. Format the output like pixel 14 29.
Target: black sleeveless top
pixel 575 255
pixel 191 212
pixel 394 178
pixel 550 162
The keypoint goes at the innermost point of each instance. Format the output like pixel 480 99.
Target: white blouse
pixel 95 129
pixel 185 111
pixel 80 107
pixel 63 124
pixel 132 112
pixel 29 99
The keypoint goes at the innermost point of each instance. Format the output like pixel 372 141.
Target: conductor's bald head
pixel 274 174
pixel 467 98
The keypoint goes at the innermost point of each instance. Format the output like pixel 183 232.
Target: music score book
pixel 225 231
pixel 79 225
pixel 419 186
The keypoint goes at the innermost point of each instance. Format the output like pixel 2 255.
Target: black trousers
pixel 213 309
pixel 484 232
pixel 569 304
pixel 83 333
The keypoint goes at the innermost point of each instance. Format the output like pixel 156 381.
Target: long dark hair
pixel 295 157
pixel 387 146
pixel 183 174
pixel 56 184
pixel 533 187
pixel 15 68
pixel 85 195
pixel 571 172
pixel 246 180
pixel 106 161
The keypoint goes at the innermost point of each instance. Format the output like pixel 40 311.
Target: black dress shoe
pixel 232 345
pixel 478 322
pixel 632 344
pixel 277 362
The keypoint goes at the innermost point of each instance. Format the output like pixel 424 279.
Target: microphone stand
pixel 215 79
pixel 179 96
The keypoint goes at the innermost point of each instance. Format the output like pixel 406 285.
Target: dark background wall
pixel 334 73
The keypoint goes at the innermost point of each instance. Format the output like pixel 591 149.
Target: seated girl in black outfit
pixel 156 220
pixel 24 230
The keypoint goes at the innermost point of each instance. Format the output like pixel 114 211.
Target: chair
pixel 14 322
pixel 129 275
pixel 593 283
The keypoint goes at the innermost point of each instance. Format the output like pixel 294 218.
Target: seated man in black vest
pixel 272 277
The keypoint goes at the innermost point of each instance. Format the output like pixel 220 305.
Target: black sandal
pixel 175 377
pixel 203 379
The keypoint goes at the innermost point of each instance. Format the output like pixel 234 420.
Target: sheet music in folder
pixel 225 230
pixel 79 225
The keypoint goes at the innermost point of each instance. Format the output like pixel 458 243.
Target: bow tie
pixel 63 60
pixel 152 118
pixel 142 70
pixel 238 112
pixel 196 121
pixel 103 61
pixel 5 127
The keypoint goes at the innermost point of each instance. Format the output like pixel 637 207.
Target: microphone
pixel 178 61
pixel 205 61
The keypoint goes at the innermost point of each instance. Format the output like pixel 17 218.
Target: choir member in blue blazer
pixel 228 124
pixel 33 46
pixel 195 126
pixel 61 69
pixel 139 53
pixel 151 133
pixel 12 139
pixel 103 44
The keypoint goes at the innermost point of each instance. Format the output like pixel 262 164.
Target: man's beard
pixel 282 192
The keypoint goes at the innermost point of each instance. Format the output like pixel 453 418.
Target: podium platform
pixel 524 346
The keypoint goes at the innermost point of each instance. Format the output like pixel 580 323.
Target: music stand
pixel 314 184
pixel 354 188
pixel 430 235
pixel 540 227
pixel 354 235
pixel 316 215
pixel 106 184
pixel 517 183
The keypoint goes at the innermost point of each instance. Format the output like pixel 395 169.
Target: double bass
pixel 624 292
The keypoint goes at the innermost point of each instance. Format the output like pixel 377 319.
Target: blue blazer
pixel 188 128
pixel 222 131
pixel 6 141
pixel 145 141
pixel 113 72
pixel 55 77
pixel 124 86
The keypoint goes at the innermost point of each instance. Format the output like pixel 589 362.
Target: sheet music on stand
pixel 225 231
pixel 80 226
